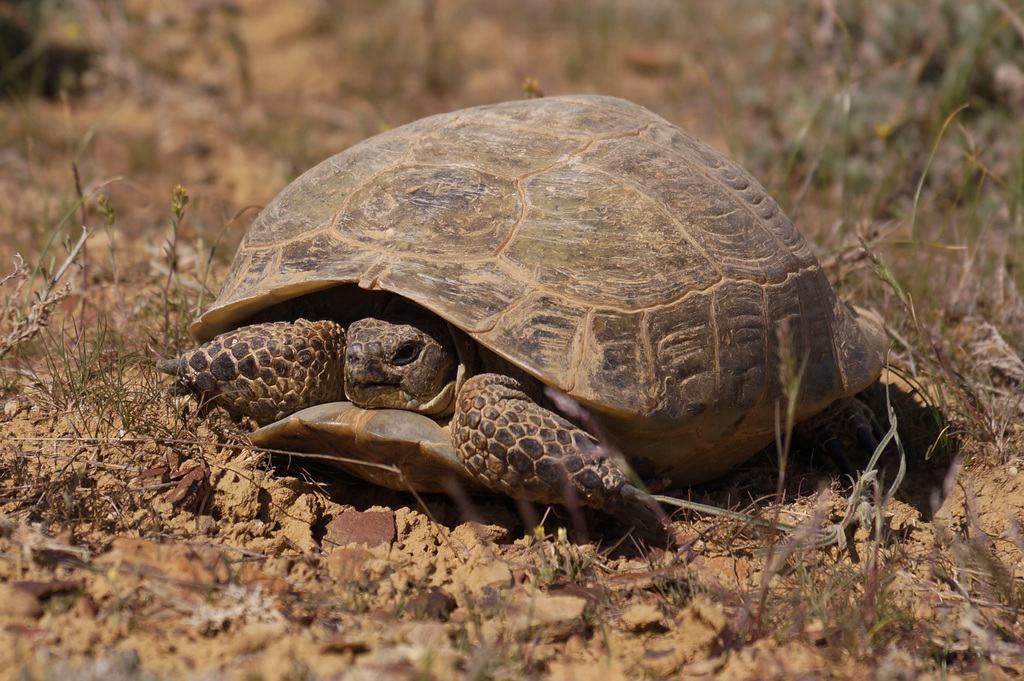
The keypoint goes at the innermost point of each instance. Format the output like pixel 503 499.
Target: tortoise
pixel 417 302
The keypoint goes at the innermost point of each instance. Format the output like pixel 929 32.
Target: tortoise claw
pixel 866 432
pixel 838 455
pixel 846 422
pixel 169 366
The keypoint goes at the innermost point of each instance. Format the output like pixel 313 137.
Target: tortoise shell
pixel 590 242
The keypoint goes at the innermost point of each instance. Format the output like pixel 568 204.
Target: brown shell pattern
pixel 583 238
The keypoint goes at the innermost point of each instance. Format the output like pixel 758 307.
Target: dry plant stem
pixel 705 509
pixel 967 400
pixel 915 236
pixel 22 329
pixel 85 252
pixel 179 199
pixel 858 509
pixel 106 209
pixel 1011 16
pixel 71 258
pixel 39 311
pixel 791 377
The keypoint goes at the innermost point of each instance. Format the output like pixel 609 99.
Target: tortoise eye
pixel 406 354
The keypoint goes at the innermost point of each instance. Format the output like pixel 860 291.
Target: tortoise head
pixel 413 365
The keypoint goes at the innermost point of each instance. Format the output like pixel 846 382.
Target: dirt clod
pixel 372 528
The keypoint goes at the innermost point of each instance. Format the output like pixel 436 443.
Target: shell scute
pixel 487 149
pixel 613 346
pixel 545 330
pixel 602 242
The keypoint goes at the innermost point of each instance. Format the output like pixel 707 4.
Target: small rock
pixel 46 589
pixel 256 637
pixel 434 603
pixel 559 616
pixel 19 602
pixel 1008 82
pixel 13 407
pixel 473 533
pixel 371 528
pixel 425 634
pixel 642 617
pixel 814 631
pixel 489 575
pixel 207 525
pixel 355 564
pixel 594 595
pixel 694 635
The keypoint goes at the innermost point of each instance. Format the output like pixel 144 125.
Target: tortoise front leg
pixel 266 371
pixel 516 447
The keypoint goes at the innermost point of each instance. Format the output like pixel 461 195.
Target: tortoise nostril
pixel 405 354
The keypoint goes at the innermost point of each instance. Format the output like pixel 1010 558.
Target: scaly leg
pixel 518 448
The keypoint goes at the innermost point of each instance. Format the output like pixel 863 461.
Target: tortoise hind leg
pixel 847 421
pixel 517 447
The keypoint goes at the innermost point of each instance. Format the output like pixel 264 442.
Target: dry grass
pixel 140 539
